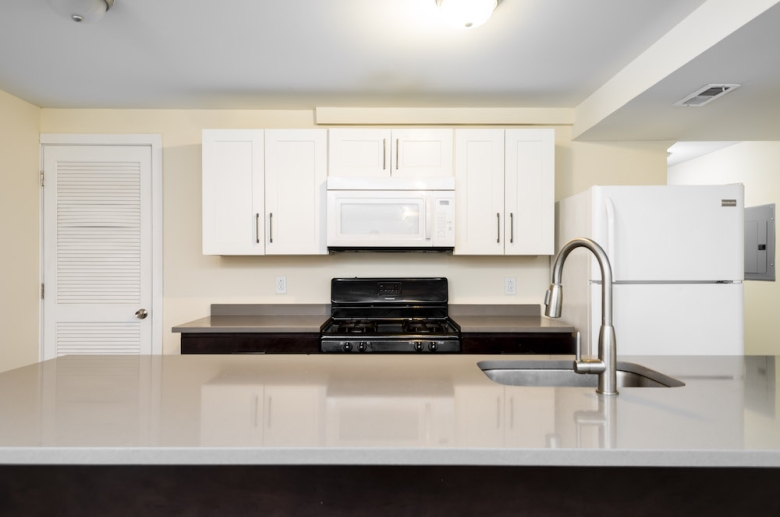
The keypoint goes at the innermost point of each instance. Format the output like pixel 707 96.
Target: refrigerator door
pixel 673 319
pixel 670 233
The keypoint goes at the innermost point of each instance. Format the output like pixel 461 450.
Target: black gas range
pixel 389 315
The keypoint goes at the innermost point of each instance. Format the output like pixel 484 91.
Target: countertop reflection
pixel 379 409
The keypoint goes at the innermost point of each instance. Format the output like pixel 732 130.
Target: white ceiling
pixel 246 54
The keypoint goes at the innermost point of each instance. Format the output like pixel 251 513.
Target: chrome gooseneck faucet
pixel 606 365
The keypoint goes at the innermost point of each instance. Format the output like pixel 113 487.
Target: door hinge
pixel 42 291
pixel 41 178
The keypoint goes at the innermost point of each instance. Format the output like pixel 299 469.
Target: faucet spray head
pixel 553 300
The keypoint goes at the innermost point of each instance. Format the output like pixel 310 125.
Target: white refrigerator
pixel 678 264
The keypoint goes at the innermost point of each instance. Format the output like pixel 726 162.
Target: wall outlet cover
pixel 510 286
pixel 281 285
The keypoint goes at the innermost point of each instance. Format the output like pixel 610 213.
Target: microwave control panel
pixel 444 219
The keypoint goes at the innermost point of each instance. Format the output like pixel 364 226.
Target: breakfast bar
pixel 292 421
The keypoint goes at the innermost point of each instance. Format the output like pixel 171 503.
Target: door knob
pixel 141 314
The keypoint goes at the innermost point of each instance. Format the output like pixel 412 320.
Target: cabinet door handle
pixel 498 227
pixel 396 154
pixel 257 228
pixel 384 153
pixel 271 227
pixel 511 227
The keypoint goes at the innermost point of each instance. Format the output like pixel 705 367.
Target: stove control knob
pixel 418 346
pixel 347 347
pixel 432 346
pixel 362 346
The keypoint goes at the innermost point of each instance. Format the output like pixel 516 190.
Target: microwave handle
pixel 428 218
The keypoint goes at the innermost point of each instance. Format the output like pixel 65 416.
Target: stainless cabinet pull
pixel 141 314
pixel 396 154
pixel 271 227
pixel 511 227
pixel 384 153
pixel 498 227
pixel 257 228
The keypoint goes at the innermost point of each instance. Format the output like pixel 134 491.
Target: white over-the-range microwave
pixel 373 214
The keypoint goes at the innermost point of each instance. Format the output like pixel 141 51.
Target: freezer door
pixel 674 319
pixel 670 233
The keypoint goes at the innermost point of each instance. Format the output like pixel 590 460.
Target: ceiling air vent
pixel 706 94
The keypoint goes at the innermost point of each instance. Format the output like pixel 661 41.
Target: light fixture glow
pixel 82 11
pixel 466 14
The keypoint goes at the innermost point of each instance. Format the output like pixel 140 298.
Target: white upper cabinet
pixel 362 153
pixel 479 191
pixel 404 153
pixel 505 182
pixel 233 192
pixel 295 174
pixel 529 197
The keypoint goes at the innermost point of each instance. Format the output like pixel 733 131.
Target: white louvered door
pixel 97 250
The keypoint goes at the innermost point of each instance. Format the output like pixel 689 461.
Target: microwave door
pixel 378 219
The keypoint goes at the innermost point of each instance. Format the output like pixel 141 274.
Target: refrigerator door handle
pixel 610 207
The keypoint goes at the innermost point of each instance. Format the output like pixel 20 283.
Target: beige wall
pixel 19 209
pixel 755 164
pixel 193 281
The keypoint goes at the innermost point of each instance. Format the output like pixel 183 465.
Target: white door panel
pixel 670 233
pixel 479 187
pixel 362 153
pixel 674 319
pixel 97 249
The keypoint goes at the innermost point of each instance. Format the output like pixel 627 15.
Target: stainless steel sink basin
pixel 561 374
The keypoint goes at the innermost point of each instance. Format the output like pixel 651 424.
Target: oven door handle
pixel 428 218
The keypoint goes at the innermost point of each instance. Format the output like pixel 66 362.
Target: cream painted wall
pixel 19 205
pixel 755 164
pixel 192 281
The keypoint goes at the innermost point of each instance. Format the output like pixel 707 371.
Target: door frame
pixel 154 141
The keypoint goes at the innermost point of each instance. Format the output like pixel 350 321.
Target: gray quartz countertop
pixel 511 324
pixel 380 410
pixel 311 317
pixel 256 323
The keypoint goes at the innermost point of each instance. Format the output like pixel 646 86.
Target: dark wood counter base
pixel 309 343
pixel 517 343
pixel 250 343
pixel 380 491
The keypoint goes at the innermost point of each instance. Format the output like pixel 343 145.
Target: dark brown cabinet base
pixel 514 343
pixel 253 343
pixel 300 343
pixel 381 491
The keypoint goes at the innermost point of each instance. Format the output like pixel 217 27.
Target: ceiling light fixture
pixel 466 14
pixel 88 11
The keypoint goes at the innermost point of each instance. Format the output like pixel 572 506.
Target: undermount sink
pixel 561 374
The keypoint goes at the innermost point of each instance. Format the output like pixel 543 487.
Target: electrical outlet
pixel 281 285
pixel 510 287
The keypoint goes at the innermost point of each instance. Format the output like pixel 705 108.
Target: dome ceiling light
pixel 88 11
pixel 466 14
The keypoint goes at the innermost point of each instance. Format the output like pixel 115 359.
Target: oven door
pixel 380 219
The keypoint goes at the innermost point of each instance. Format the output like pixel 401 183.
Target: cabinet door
pixel 479 190
pixel 421 153
pixel 293 415
pixel 363 153
pixel 530 192
pixel 530 418
pixel 231 415
pixel 479 416
pixel 232 192
pixel 295 174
